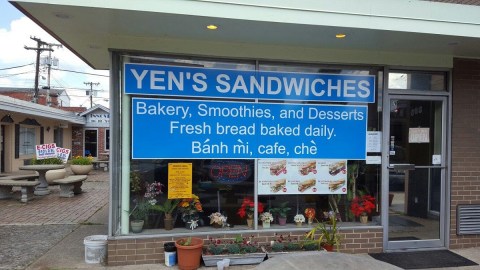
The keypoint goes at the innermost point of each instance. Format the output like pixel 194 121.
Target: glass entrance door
pixel 416 172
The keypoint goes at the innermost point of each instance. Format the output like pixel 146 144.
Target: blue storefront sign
pixel 169 129
pixel 158 80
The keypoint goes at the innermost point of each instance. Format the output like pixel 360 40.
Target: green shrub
pixel 277 247
pixel 54 161
pixel 233 248
pixel 215 249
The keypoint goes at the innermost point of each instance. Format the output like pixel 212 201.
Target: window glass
pixel 228 186
pixel 27 140
pixel 421 81
pixel 107 139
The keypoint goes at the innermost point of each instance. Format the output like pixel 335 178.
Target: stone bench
pixel 70 185
pixel 100 164
pixel 20 177
pixel 26 188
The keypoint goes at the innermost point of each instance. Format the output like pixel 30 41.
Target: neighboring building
pixel 306 102
pixel 58 97
pixel 25 124
pixel 95 139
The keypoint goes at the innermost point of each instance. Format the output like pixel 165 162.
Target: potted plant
pixel 266 218
pixel 362 206
pixel 299 219
pixel 190 207
pixel 247 209
pixel 138 215
pixel 328 235
pixel 238 251
pixel 189 252
pixel 167 208
pixel 218 220
pixel 310 214
pixel 81 165
pixel 281 212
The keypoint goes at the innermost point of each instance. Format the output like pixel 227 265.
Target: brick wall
pixel 150 250
pixel 77 141
pixel 465 145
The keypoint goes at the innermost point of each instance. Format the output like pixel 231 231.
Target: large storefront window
pixel 223 159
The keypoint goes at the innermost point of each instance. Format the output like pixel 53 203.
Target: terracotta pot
pixel 328 247
pixel 81 169
pixel 189 256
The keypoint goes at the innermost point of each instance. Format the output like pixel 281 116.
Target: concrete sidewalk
pixel 48 233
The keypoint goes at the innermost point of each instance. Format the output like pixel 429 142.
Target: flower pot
pixel 265 224
pixel 364 219
pixel 81 169
pixel 189 256
pixel 168 222
pixel 328 247
pixel 250 223
pixel 136 226
pixel 282 221
pixel 235 259
pixel 299 224
pixel 54 175
pixel 310 221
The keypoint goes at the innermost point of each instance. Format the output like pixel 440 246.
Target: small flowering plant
pixel 362 205
pixel 190 208
pixel 248 207
pixel 266 217
pixel 79 160
pixel 299 218
pixel 310 213
pixel 152 190
pixel 218 218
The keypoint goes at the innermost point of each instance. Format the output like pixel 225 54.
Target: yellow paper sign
pixel 179 180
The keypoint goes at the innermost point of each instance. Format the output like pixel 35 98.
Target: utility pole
pixel 39 49
pixel 91 91
pixel 49 65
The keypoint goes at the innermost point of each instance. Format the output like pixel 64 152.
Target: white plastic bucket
pixel 95 248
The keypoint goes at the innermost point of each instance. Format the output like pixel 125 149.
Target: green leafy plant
pixel 167 207
pixel 292 246
pixel 233 248
pixel 327 234
pixel 309 245
pixel 281 210
pixel 49 161
pixel 79 160
pixel 277 246
pixel 185 241
pixel 140 211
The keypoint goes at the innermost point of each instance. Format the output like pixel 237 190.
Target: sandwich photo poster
pixel 301 176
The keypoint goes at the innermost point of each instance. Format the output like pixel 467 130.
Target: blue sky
pixel 15 32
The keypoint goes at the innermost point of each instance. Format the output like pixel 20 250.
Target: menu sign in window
pixel 179 180
pixel 164 128
pixel 302 176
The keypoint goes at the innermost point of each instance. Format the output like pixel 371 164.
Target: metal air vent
pixel 468 219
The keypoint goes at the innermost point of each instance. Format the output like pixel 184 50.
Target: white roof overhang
pixel 378 31
pixel 20 106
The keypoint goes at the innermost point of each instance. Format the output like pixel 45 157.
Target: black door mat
pixel 423 259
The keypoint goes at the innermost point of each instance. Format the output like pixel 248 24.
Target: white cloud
pixel 13 53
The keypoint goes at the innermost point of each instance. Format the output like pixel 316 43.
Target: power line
pixel 17 66
pixel 73 71
pixel 11 75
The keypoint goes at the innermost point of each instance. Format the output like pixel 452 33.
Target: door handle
pixel 402 167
